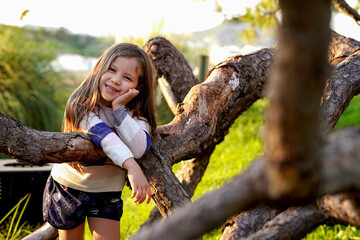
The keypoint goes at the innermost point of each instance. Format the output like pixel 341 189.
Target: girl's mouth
pixel 110 89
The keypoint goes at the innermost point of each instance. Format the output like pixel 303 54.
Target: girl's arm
pixel 139 185
pixel 132 131
pixel 107 139
pixel 120 154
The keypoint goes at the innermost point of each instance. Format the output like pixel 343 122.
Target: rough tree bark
pixel 340 88
pixel 342 206
pixel 294 223
pixel 172 65
pixel 248 222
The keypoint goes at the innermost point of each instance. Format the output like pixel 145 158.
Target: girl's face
pixel 122 75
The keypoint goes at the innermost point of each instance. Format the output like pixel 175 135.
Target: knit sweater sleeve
pixel 104 137
pixel 134 132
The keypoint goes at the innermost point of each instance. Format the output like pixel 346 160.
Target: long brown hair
pixel 87 96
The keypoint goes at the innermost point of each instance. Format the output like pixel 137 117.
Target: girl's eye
pixel 111 69
pixel 128 78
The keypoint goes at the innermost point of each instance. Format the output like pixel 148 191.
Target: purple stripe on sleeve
pixel 119 115
pixel 148 142
pixel 98 132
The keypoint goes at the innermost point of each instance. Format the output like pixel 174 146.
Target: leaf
pixel 24 14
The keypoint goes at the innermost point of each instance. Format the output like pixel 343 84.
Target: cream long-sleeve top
pixel 121 137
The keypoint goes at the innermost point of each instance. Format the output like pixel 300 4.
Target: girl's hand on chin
pixel 125 98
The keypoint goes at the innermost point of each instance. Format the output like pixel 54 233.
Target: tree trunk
pixel 297 81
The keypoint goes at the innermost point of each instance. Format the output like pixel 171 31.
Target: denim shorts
pixel 67 208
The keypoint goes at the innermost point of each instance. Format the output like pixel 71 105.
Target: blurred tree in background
pixel 27 80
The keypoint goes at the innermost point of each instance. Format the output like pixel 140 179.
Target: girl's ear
pixel 141 86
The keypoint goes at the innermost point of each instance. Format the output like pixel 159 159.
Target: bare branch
pixel 342 206
pixel 172 65
pixel 168 94
pixel 45 232
pixel 348 10
pixel 294 223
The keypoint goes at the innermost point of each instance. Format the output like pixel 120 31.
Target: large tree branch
pixel 209 109
pixel 39 147
pixel 342 86
pixel 294 223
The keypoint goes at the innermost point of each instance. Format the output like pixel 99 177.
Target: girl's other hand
pixel 125 98
pixel 139 184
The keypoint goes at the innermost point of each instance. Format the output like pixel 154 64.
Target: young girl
pixel 115 105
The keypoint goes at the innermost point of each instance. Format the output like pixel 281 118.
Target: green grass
pixel 351 116
pixel 337 232
pixel 10 228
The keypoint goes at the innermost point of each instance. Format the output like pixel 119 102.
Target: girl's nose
pixel 115 80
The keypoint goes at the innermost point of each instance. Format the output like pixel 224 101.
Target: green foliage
pixel 351 115
pixel 9 224
pixel 63 41
pixel 27 80
pixel 262 17
pixel 337 232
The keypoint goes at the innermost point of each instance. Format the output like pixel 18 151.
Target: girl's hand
pixel 125 98
pixel 139 184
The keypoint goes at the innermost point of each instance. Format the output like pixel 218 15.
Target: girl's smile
pixel 122 75
pixel 111 89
